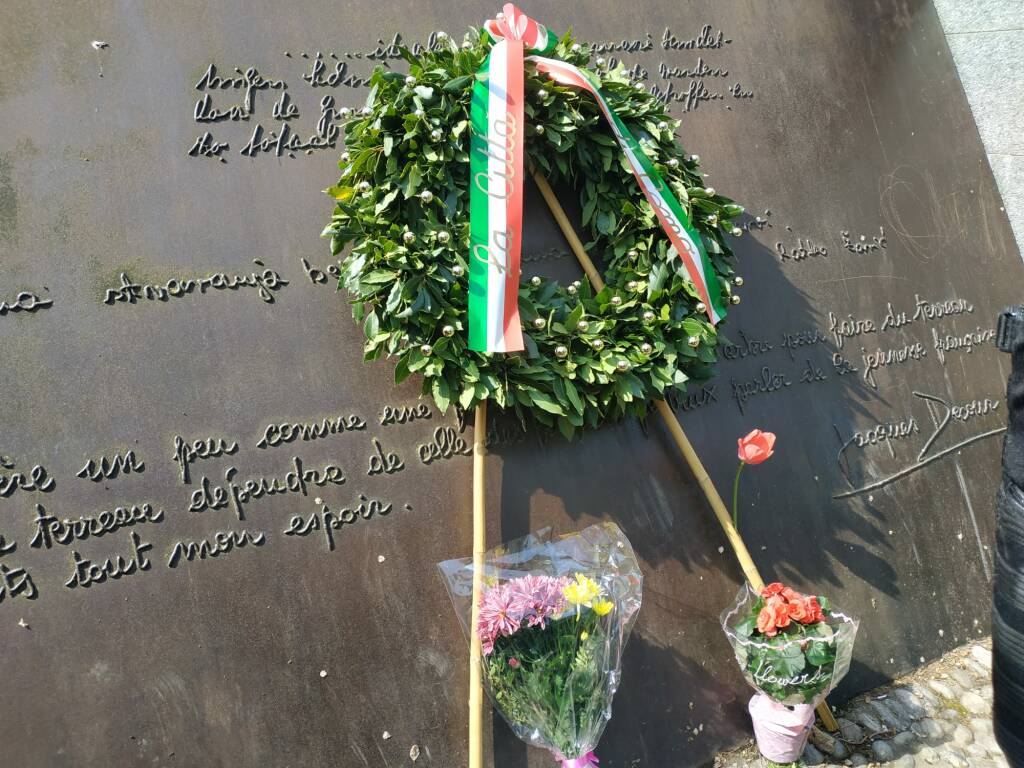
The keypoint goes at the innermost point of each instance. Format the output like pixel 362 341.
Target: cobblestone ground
pixel 938 716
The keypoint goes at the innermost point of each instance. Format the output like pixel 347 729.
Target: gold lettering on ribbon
pixel 501 240
pixel 487 258
pixel 490 190
pixel 505 129
pixel 508 123
pixel 690 249
pixel 648 183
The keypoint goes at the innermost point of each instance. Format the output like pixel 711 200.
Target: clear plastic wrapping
pixel 792 648
pixel 554 617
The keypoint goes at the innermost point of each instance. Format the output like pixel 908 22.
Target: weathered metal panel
pixel 828 120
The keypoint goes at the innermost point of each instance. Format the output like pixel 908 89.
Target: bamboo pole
pixel 476 696
pixel 671 421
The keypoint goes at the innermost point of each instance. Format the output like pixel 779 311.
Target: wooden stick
pixel 671 421
pixel 717 505
pixel 476 696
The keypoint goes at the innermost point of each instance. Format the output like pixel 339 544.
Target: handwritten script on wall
pixel 688 76
pixel 242 111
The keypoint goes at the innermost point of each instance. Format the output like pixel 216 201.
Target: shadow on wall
pixel 632 474
pixel 682 735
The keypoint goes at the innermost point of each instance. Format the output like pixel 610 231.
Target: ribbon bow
pixel 497 166
pixel 513 24
pixel 588 760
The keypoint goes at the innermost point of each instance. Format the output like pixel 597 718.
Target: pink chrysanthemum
pixel 538 598
pixel 552 595
pixel 499 615
pixel 521 596
pixel 530 600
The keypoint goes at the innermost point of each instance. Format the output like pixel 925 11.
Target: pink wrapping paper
pixel 781 732
pixel 589 760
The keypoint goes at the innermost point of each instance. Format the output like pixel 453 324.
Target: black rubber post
pixel 1008 600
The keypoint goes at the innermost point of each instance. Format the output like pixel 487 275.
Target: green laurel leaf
pixel 406 254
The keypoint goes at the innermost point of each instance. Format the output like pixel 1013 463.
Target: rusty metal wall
pixel 876 257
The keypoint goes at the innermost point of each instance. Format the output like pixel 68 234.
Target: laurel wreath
pixel 403 204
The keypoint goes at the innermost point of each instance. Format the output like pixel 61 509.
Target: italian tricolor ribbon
pixel 497 175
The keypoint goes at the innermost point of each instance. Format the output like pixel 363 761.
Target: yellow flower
pixel 584 635
pixel 602 607
pixel 582 591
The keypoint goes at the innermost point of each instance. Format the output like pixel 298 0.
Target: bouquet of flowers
pixel 553 620
pixel 794 649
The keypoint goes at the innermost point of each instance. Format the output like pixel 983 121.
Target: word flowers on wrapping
pixel 552 621
pixel 791 647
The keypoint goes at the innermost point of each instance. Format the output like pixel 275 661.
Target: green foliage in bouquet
pixel 551 677
pixel 545 643
pixel 402 203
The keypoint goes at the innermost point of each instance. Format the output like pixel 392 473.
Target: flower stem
pixel 735 496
